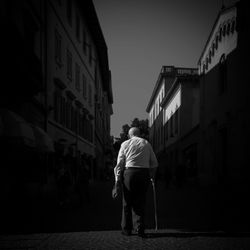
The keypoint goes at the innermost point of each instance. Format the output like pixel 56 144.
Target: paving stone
pixel 108 240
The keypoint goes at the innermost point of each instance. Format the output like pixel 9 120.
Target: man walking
pixel 136 164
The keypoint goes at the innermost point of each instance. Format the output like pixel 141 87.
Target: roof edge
pixel 221 11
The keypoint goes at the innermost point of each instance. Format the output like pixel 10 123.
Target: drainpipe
pixel 45 66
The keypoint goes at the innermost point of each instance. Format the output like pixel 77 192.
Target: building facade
pixel 224 99
pixel 103 143
pixel 23 56
pixel 22 97
pixel 174 119
pixel 203 124
pixel 56 80
pixel 79 82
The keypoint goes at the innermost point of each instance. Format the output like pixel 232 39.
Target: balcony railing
pixel 186 71
pixel 179 71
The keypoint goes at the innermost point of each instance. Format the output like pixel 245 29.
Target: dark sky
pixel 144 35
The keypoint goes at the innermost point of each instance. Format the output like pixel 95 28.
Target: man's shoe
pixel 126 232
pixel 141 234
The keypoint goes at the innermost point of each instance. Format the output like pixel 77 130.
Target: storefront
pixel 25 153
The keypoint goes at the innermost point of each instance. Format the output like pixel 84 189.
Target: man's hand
pixel 152 173
pixel 116 189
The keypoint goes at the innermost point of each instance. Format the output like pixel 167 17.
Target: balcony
pixel 186 71
pixel 179 71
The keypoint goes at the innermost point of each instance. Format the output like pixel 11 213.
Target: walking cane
pixel 155 205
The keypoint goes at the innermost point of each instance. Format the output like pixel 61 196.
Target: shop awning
pixel 43 140
pixel 16 129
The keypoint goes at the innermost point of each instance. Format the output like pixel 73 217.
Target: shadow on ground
pixel 186 209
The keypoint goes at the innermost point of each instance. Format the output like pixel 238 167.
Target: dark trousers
pixel 135 185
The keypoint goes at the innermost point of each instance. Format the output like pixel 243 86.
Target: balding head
pixel 134 132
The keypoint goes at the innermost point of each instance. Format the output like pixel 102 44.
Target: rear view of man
pixel 136 164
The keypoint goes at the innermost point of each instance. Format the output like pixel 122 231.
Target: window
pixel 166 132
pixel 84 42
pixel 77 80
pixel 84 126
pixel 58 48
pixel 157 106
pixel 69 11
pixel 176 121
pixel 204 68
pixel 91 132
pixel 90 54
pixel 224 30
pixel 56 106
pixel 213 48
pixel 90 95
pixel 155 138
pixel 69 65
pixel 222 75
pixel 81 123
pixel 220 34
pixel 233 26
pixel 171 125
pixel 68 113
pixel 158 137
pixel 96 81
pixel 216 42
pixel 78 27
pixel 73 119
pixel 159 129
pixel 77 113
pixel 228 28
pixel 162 135
pixel 206 63
pixel 210 56
pixel 63 111
pixel 59 107
pixel 84 86
pixel 79 131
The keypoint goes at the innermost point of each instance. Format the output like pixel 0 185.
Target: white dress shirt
pixel 137 153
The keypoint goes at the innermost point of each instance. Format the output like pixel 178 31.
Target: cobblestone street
pixel 187 208
pixel 186 220
pixel 162 239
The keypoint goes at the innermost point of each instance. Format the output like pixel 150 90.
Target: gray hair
pixel 134 131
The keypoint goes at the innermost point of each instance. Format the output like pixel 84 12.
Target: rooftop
pixel 170 71
pixel 222 11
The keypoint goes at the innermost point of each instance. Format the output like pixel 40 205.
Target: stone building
pixel 23 55
pixel 224 121
pixel 174 120
pixel 79 93
pixel 56 97
pixel 204 123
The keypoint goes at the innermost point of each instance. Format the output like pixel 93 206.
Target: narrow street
pixel 113 240
pixel 189 208
pixel 84 83
pixel 186 220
